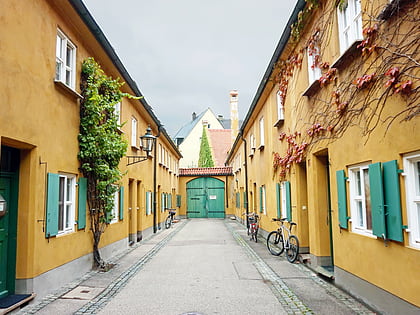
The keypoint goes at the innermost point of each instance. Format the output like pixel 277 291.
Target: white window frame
pixel 133 132
pixel 66 203
pixel 314 71
pixel 411 164
pixel 359 200
pixel 262 135
pixel 280 106
pixel 149 201
pixel 349 24
pixel 117 111
pixel 283 200
pixel 65 60
pixel 264 200
pixel 116 207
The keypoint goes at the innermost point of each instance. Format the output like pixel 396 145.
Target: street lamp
pixel 147 143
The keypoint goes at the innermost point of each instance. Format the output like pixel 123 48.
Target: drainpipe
pixel 246 180
pixel 154 182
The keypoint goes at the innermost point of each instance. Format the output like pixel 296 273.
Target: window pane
pixel 360 213
pixel 58 67
pixel 417 178
pixel 61 204
pixel 358 184
pixel 68 77
pixel 367 199
pixel 68 190
pixel 59 47
pixel 68 216
pixel 69 56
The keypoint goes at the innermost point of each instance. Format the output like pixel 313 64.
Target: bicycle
pixel 253 226
pixel 170 219
pixel 283 239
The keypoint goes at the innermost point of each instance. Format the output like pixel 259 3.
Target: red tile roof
pixel 206 171
pixel 220 143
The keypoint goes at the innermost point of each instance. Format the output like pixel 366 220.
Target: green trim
pixel 288 201
pixel 51 219
pixel 121 203
pixel 81 206
pixel 342 199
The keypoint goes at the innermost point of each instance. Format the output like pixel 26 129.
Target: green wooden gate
pixel 205 197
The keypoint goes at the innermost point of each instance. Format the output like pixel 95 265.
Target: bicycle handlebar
pixel 284 219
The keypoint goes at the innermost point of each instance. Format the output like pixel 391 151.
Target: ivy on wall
pixel 101 146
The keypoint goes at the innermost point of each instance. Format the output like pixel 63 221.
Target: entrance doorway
pixel 9 184
pixel 205 197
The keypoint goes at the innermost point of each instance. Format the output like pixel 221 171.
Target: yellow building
pixel 41 62
pixel 332 142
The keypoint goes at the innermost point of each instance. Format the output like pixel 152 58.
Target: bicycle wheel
pixel 293 250
pixel 275 243
pixel 168 222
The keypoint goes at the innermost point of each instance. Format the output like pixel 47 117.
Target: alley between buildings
pixel 200 266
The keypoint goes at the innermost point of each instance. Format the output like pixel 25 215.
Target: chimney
pixel 234 123
pixel 194 116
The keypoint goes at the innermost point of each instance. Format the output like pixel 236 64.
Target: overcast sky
pixel 186 55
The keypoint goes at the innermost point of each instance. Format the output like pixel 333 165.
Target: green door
pixel 8 222
pixel 205 197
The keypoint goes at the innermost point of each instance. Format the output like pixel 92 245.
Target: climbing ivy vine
pixel 101 146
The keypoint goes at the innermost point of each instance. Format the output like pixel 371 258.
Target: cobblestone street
pixel 205 266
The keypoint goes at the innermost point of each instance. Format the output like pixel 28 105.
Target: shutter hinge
pixel 400 171
pixel 404 227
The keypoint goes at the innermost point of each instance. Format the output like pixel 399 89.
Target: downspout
pixel 246 181
pixel 155 183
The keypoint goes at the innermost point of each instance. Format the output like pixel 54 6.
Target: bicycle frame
pixel 282 240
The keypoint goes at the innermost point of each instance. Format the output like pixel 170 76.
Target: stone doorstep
pixel 15 306
pixel 82 293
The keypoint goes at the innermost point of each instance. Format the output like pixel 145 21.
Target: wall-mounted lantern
pixel 147 143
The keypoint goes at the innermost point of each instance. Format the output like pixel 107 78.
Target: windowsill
pixel 312 89
pixel 261 147
pixel 67 89
pixel 279 122
pixel 348 56
pixel 133 147
pixel 120 131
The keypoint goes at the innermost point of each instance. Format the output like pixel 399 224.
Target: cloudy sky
pixel 186 55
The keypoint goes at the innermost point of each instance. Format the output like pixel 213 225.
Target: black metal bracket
pixel 133 159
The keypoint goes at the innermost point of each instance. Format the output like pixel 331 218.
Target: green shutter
pixel 51 220
pixel 121 213
pixel 392 201
pixel 342 199
pixel 278 199
pixel 261 199
pixel 82 197
pixel 178 200
pixel 170 201
pixel 288 202
pixel 245 199
pixel 377 200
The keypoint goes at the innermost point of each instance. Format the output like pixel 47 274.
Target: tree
pixel 101 146
pixel 205 158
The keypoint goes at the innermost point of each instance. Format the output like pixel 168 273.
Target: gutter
pixel 300 5
pixel 96 31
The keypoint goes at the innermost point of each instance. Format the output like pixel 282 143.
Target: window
pixel 263 207
pixel 280 106
pixel 149 201
pixel 262 132
pixel 349 24
pixel 133 132
pixel 412 186
pixel 65 64
pixel 314 71
pixel 117 111
pixel 238 200
pixel 360 202
pixel 66 203
pixel 115 210
pixel 284 208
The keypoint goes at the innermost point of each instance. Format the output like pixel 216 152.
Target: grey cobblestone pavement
pixel 297 289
